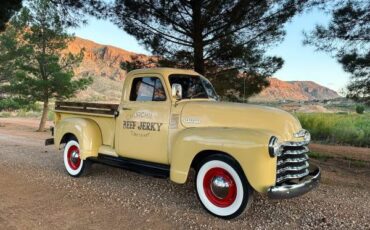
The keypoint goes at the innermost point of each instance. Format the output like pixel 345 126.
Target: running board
pixel 143 167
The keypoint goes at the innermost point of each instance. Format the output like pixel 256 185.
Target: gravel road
pixel 36 193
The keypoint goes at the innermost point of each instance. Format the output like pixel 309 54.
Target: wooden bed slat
pixel 109 109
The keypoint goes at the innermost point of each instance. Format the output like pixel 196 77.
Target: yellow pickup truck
pixel 170 121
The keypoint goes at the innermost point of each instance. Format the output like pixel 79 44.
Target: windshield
pixel 193 86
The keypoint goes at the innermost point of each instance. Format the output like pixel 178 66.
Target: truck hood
pixel 236 115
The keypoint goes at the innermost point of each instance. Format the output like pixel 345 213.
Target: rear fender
pixel 86 131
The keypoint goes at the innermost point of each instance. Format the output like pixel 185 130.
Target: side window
pixel 147 89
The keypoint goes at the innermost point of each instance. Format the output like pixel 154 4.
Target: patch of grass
pixel 344 129
pixel 351 162
pixel 27 113
pixel 319 156
pixel 357 163
pixel 5 114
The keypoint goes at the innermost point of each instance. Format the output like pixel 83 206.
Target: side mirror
pixel 176 91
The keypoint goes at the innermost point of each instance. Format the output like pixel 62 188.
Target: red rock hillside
pixel 294 91
pixel 102 63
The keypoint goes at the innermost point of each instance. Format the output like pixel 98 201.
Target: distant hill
pixel 102 63
pixel 295 91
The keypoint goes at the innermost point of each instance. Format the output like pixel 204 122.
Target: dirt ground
pixel 37 193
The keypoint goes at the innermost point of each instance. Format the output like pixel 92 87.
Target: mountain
pixel 102 63
pixel 315 91
pixel 294 91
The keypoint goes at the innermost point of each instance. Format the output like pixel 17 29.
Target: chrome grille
pixel 292 163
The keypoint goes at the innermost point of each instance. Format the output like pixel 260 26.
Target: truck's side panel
pixel 247 146
pixel 142 126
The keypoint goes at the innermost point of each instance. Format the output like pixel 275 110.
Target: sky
pixel 300 62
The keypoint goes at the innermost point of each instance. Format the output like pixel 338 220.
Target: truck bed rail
pixel 83 107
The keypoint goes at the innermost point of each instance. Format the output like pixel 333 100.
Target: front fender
pixel 249 147
pixel 85 130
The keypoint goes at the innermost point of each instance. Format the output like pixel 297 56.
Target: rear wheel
pixel 222 187
pixel 73 163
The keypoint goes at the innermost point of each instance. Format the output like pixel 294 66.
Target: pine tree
pixel 36 39
pixel 7 9
pixel 347 38
pixel 216 38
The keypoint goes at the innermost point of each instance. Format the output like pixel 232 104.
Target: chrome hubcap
pixel 220 187
pixel 74 157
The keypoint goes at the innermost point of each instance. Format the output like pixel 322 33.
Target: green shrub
pixel 360 109
pixel 11 104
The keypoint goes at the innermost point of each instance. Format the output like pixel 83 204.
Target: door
pixel 142 125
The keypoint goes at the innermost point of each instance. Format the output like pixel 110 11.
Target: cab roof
pixel 163 71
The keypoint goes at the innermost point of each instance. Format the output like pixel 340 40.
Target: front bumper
pixel 291 189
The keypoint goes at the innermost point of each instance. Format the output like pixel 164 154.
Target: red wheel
pixel 73 163
pixel 219 187
pixel 222 187
pixel 73 155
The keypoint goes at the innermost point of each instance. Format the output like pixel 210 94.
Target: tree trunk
pixel 198 38
pixel 44 116
pixel 45 109
pixel 198 57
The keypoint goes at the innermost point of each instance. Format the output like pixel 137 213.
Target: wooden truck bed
pixel 103 114
pixel 83 107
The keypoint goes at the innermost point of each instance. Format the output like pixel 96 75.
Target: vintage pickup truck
pixel 170 121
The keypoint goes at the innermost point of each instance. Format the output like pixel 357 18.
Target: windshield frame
pixel 205 83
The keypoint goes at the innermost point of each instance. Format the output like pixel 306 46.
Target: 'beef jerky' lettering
pixel 129 124
pixel 150 126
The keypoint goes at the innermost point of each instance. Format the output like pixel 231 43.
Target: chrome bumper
pixel 290 190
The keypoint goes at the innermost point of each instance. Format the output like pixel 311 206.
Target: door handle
pixel 125 108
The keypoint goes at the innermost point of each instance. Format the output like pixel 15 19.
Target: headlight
pixel 303 133
pixel 275 148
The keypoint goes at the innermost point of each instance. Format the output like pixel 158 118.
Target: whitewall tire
pixel 222 187
pixel 74 165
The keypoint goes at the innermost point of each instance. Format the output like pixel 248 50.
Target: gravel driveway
pixel 36 193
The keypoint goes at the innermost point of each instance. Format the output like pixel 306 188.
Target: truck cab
pixel 170 121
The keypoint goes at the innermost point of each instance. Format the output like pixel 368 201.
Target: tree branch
pixel 168 37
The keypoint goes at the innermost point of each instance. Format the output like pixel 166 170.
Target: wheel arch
pixel 200 156
pixel 66 137
pixel 195 164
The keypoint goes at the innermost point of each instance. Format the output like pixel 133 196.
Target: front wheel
pixel 73 163
pixel 222 187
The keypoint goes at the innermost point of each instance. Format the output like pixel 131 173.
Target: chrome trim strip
pixel 293 168
pixel 295 143
pixel 293 160
pixel 292 176
pixel 296 152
